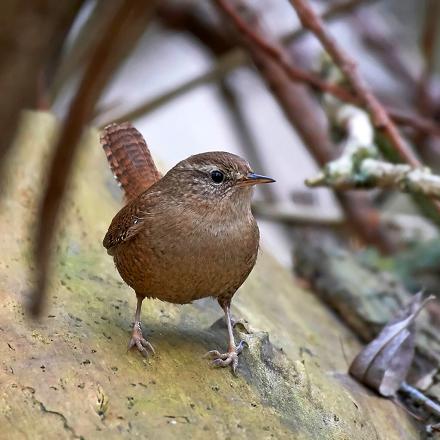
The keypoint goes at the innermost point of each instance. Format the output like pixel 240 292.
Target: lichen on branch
pixel 360 164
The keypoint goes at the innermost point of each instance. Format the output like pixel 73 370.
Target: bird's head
pixel 216 177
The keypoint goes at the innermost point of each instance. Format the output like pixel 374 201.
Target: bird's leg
pixel 137 339
pixel 231 356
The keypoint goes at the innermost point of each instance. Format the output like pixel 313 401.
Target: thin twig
pixel 289 213
pixel 415 121
pixel 379 113
pixel 409 226
pixel 282 58
pixel 379 116
pixel 348 66
pixel 334 11
pixel 428 43
pixel 374 31
pixel 225 64
pixel 236 58
pixel 303 112
pixel 419 398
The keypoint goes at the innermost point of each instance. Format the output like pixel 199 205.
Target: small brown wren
pixel 184 236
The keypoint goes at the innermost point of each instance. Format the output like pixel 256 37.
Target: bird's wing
pixel 125 225
pixel 129 158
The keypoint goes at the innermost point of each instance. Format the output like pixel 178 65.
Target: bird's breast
pixel 185 256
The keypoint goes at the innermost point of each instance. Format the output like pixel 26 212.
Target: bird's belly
pixel 183 269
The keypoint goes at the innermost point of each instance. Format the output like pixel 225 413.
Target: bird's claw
pixel 225 359
pixel 137 340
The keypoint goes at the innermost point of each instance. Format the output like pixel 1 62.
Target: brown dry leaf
pixel 384 363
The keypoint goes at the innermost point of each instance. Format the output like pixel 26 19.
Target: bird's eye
pixel 217 176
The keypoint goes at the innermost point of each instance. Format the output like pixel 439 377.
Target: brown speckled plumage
pixel 186 236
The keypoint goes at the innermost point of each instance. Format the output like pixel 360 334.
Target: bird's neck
pixel 229 213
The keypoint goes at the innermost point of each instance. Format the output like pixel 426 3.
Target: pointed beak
pixel 255 179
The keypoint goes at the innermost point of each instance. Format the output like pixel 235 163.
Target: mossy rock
pixel 70 376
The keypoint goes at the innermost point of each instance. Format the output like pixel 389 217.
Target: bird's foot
pixel 225 359
pixel 137 340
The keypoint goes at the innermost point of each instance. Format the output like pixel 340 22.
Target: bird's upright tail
pixel 129 158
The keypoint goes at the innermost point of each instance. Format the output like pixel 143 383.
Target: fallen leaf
pixel 384 363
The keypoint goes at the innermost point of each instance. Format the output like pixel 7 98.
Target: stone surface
pixel 69 375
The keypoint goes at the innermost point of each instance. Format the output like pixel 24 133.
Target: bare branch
pixel 374 31
pixel 428 43
pixel 348 66
pixel 359 166
pixel 236 58
pixel 380 117
pixel 302 111
pixel 224 65
pixel 289 213
pixel 372 173
pixel 419 398
pixel 334 11
pixel 24 56
pixel 414 121
pixel 294 73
